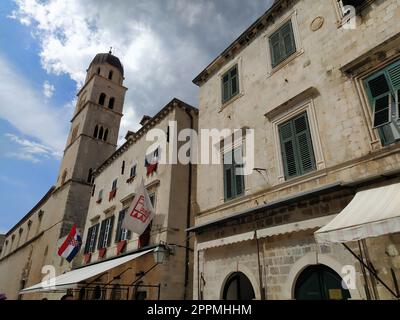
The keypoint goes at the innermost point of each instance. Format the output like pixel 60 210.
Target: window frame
pixel 300 171
pixel 308 106
pixel 105 235
pixel 230 94
pixel 282 44
pixel 232 167
pixel 291 16
pixel 394 88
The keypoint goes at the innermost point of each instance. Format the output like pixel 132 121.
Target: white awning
pixel 267 232
pixel 70 279
pixel 371 213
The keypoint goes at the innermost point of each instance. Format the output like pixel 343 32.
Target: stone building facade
pixel 170 190
pixel 33 242
pixel 310 79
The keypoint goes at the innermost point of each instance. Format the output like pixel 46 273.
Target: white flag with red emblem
pixel 140 213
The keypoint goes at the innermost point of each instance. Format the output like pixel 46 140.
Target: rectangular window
pixel 123 167
pixel 133 171
pixel 100 197
pixel 296 147
pixel 282 44
pixel 91 239
pixel 114 184
pixel 122 234
pixel 230 84
pixel 106 233
pixel 233 177
pixel 383 89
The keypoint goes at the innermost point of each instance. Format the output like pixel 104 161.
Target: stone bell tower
pixel 93 135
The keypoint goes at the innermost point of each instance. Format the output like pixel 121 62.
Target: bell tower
pixel 95 124
pixel 93 135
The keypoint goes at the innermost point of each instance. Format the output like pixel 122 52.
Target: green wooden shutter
pixel 304 144
pixel 287 139
pixel 394 75
pixel 238 164
pixel 110 231
pixel 287 40
pixel 234 81
pixel 275 46
pixel 88 236
pixel 119 228
pixel 225 88
pixel 228 177
pixel 101 235
pixel 96 231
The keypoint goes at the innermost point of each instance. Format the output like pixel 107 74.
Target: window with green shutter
pixel 282 44
pixel 383 89
pixel 233 177
pixel 230 84
pixel 122 234
pixel 296 147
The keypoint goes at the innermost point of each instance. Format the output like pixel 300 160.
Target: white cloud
pixel 48 89
pixel 24 108
pixel 30 150
pixel 162 44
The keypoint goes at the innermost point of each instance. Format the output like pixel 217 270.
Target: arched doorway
pixel 238 287
pixel 319 282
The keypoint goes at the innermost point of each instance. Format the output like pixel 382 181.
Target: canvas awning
pixel 267 232
pixel 70 279
pixel 371 213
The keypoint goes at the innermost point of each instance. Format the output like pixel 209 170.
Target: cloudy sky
pixel 45 48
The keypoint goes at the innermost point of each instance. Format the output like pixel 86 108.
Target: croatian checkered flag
pixel 72 244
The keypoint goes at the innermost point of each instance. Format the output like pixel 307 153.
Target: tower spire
pixel 110 52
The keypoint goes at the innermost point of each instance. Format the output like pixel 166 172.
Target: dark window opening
pixel 101 133
pixel 98 70
pixel 96 131
pixel 105 135
pixel 90 176
pixel 110 75
pixel 123 167
pixel 111 103
pixel 102 99
pixel 238 287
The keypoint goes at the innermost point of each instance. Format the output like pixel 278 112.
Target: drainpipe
pixel 187 249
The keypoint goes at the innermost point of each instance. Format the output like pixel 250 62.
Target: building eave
pixel 142 131
pixel 242 41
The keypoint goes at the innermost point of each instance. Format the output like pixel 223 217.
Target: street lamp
pixel 160 254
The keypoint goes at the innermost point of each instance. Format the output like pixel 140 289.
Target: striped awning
pixel 371 213
pixel 267 232
pixel 72 278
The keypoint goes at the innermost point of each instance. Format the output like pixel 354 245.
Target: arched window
pixel 63 177
pixel 238 287
pixel 111 103
pixel 98 70
pixel 96 131
pixel 319 282
pixel 90 176
pixel 101 133
pixel 102 99
pixel 110 75
pixel 105 135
